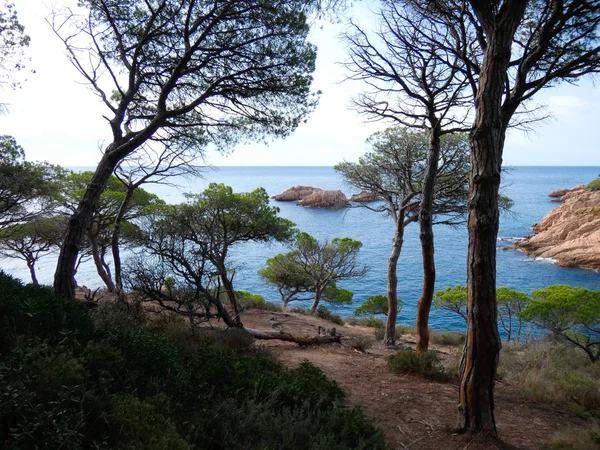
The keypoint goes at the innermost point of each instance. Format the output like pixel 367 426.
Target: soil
pixel 413 412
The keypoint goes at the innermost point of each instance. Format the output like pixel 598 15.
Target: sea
pixel 528 187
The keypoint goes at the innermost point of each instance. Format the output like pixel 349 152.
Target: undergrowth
pixel 426 364
pixel 112 380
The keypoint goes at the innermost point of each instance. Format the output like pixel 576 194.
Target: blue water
pixel 527 186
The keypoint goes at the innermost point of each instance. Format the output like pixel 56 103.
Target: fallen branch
pixel 301 340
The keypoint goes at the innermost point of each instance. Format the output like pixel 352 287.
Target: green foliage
pixel 34 309
pixel 315 267
pixel 510 305
pixel 594 185
pixel 324 313
pixel 376 304
pixel 426 364
pixel 132 384
pixel 572 313
pixel 370 322
pixel 27 189
pixel 452 299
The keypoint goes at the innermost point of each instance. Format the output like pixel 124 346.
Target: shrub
pixel 594 185
pixel 137 385
pixel 376 304
pixel 361 342
pixel 250 301
pixel 324 313
pixel 379 333
pixel 236 339
pixel 551 372
pixel 35 311
pixel 426 364
pixel 453 338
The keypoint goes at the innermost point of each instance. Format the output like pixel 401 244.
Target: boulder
pixel 325 199
pixel 365 197
pixel 295 193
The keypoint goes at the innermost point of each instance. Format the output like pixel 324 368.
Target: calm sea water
pixel 527 186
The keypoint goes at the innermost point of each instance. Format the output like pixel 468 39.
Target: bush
pixel 379 333
pixel 324 313
pixel 254 301
pixel 361 342
pixel 453 338
pixel 236 339
pixel 133 384
pixel 369 322
pixel 594 185
pixel 35 311
pixel 552 372
pixel 425 364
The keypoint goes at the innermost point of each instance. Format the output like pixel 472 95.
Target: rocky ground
pixel 414 413
pixel 570 233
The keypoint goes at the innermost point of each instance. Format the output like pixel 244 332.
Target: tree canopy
pixel 572 313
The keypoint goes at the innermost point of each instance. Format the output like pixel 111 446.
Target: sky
pixel 57 118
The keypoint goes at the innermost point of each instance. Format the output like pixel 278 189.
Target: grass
pixel 551 372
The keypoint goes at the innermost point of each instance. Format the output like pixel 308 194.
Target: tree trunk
pixel 480 355
pixel 31 266
pixel 231 296
pixel 104 275
pixel 301 340
pixel 392 282
pixel 115 238
pixel 64 279
pixel 316 301
pixel 427 242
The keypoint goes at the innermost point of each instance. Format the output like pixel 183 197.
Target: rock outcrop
pixel 295 193
pixel 365 197
pixel 570 233
pixel 325 199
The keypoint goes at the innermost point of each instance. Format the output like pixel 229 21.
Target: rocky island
pixel 570 233
pixel 313 197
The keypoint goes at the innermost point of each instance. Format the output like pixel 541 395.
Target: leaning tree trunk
pixel 228 285
pixel 427 243
pixel 480 356
pixel 389 337
pixel 316 301
pixel 31 267
pixel 64 280
pixel 100 265
pixel 115 238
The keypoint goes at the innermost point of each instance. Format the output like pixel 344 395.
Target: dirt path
pixel 414 413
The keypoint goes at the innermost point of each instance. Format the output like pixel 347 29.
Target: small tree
pixel 571 313
pixel 218 219
pixel 394 171
pixel 27 189
pixel 315 267
pixel 29 241
pixel 510 305
pixel 376 304
pixel 452 299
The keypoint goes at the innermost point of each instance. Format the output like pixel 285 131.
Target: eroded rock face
pixel 325 199
pixel 569 233
pixel 365 197
pixel 295 193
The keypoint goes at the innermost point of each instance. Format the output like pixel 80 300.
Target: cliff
pixel 569 233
